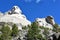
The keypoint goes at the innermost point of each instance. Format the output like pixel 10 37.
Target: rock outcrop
pixel 46 22
pixel 15 16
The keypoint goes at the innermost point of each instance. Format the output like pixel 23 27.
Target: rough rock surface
pixel 46 22
pixel 15 16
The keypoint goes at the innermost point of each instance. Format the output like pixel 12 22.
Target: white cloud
pixel 37 1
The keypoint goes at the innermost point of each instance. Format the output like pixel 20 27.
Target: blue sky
pixel 34 8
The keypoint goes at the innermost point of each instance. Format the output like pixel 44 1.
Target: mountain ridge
pixel 15 15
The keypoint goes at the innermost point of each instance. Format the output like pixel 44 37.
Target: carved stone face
pixel 16 10
pixel 50 17
pixel 15 7
pixel 40 22
pixel 50 20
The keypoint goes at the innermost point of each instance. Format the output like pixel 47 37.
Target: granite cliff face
pixel 15 16
pixel 46 22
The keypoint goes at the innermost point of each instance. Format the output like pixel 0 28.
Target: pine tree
pixel 14 30
pixel 55 27
pixel 6 32
pixel 33 32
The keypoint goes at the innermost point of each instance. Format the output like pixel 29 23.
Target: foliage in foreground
pixel 33 32
pixel 14 30
pixel 7 33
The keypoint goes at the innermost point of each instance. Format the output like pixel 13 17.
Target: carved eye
pixel 43 24
pixel 16 7
pixel 39 21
